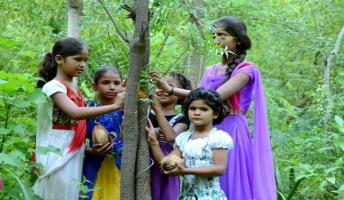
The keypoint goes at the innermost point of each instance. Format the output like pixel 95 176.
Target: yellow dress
pixel 108 179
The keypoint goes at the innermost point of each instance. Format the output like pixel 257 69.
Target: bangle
pixel 171 92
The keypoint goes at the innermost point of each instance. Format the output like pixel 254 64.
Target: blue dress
pixel 92 163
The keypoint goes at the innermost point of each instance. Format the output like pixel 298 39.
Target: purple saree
pixel 250 170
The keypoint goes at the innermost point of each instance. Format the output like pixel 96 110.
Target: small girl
pixel 167 124
pixel 60 128
pixel 204 150
pixel 100 170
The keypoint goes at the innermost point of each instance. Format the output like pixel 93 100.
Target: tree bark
pixel 196 59
pixel 135 180
pixel 74 17
pixel 327 76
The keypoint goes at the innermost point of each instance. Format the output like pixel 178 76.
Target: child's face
pixel 224 39
pixel 73 66
pixel 108 85
pixel 165 98
pixel 200 114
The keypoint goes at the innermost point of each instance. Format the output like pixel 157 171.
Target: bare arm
pixel 170 133
pixel 158 155
pixel 233 85
pixel 164 86
pixel 153 142
pixel 68 106
pixel 217 169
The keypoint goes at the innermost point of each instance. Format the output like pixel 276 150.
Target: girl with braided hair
pixel 250 172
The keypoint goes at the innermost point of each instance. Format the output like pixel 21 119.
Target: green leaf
pixel 20 128
pixel 21 184
pixel 331 180
pixel 9 159
pixel 4 131
pixel 331 169
pixel 339 120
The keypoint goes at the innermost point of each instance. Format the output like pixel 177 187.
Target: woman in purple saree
pixel 250 170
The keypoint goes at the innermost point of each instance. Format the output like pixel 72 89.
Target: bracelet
pixel 171 92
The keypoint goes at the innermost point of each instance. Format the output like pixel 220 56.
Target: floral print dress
pixel 198 153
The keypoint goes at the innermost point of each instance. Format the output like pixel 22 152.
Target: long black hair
pixel 236 28
pixel 64 47
pixel 211 98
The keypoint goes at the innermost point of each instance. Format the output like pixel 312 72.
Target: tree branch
pixel 162 45
pixel 124 37
pixel 132 14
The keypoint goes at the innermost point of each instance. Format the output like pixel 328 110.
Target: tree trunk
pixel 74 17
pixel 196 60
pixel 135 178
pixel 327 75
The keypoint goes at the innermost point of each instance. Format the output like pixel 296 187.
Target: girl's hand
pixel 156 106
pixel 120 99
pixel 152 138
pixel 178 170
pixel 100 149
pixel 159 82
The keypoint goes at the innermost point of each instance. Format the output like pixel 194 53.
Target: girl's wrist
pixel 184 171
pixel 171 91
pixel 153 143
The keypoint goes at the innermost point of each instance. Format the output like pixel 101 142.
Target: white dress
pixel 62 170
pixel 198 153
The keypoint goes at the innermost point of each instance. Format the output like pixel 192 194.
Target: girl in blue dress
pixel 103 161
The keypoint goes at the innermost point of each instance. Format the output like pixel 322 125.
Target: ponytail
pixel 48 69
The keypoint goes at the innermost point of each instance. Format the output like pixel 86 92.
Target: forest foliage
pixel 291 42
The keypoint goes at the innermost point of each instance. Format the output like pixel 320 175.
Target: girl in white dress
pixel 61 127
pixel 204 149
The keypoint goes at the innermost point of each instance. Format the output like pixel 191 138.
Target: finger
pixel 150 125
pixel 97 146
pixel 152 81
pixel 105 146
pixel 109 148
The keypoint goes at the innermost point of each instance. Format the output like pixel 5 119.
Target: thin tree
pixel 74 16
pixel 135 176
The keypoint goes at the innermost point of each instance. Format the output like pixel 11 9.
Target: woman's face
pixel 224 39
